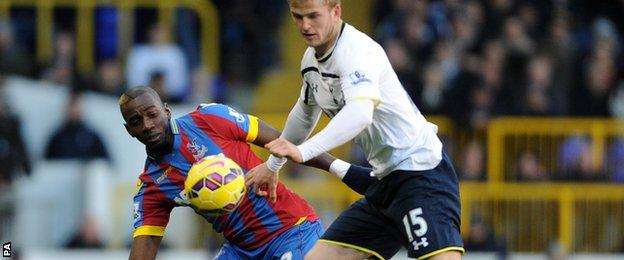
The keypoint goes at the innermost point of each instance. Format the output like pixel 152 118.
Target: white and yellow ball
pixel 215 185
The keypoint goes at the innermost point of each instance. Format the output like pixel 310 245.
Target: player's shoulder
pixel 353 42
pixel 221 111
pixel 213 108
pixel 308 58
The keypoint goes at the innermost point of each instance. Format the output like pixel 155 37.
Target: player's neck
pixel 323 49
pixel 168 146
pixel 164 149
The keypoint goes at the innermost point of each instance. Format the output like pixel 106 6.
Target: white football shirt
pixel 399 138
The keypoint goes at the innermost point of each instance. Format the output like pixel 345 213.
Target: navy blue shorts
pixel 417 210
pixel 290 245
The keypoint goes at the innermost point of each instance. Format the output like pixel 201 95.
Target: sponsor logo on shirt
pixel 164 175
pixel 239 118
pixel 182 199
pixel 358 77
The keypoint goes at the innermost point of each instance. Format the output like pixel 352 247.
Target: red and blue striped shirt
pixel 214 129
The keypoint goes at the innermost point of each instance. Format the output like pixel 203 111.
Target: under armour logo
pixel 312 86
pixel 423 242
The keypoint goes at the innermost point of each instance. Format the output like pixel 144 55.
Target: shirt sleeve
pixel 360 74
pixel 227 121
pixel 151 212
pixel 349 122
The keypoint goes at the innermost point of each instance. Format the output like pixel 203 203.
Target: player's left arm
pixel 267 133
pixel 249 128
pixel 354 117
pixel 356 177
pixel 144 247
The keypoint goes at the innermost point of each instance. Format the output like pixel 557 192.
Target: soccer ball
pixel 215 185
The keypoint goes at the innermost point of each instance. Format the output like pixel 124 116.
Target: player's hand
pixel 260 176
pixel 281 147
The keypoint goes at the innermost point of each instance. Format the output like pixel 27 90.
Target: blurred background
pixel 528 96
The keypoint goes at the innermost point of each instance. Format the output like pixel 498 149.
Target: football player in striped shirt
pixel 285 228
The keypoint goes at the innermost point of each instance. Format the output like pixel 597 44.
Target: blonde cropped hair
pixel 330 3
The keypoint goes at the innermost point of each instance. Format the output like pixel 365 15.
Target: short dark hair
pixel 134 92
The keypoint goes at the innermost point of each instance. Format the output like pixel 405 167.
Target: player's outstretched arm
pixel 356 177
pixel 144 247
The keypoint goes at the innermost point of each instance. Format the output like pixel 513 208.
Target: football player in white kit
pixel 347 76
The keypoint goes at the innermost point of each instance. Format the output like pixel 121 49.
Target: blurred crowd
pixel 475 60
pixel 165 58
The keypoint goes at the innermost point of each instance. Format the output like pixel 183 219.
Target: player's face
pixel 317 23
pixel 147 120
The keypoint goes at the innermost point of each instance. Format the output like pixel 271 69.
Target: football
pixel 215 185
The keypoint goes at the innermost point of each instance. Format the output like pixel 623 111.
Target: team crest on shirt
pixel 165 174
pixel 198 150
pixel 358 77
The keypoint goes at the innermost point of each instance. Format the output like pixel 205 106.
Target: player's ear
pixel 337 10
pixel 167 110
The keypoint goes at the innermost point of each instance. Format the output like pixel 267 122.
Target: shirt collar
pixel 331 50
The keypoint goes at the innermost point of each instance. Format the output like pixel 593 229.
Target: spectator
pixel 62 68
pixel 159 84
pixel 207 88
pixel 515 37
pixel 616 161
pixel 13 59
pixel 530 168
pixel 87 236
pixel 14 161
pixel 472 162
pixel 561 48
pixel 159 55
pixel 13 156
pixel 432 95
pixel 576 161
pixel 598 82
pixel 109 78
pixel 482 239
pixel 74 139
pixel 248 50
pixel 539 95
pixel 404 66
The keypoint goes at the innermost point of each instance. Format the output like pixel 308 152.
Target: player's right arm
pixel 151 215
pixel 144 247
pixel 355 177
pixel 299 125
